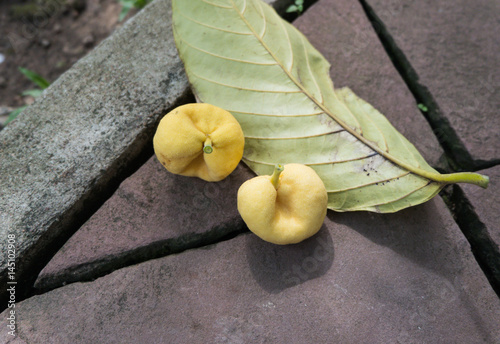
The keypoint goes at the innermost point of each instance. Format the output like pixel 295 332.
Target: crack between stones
pixel 137 154
pixel 88 272
pixel 457 156
pixel 281 7
pixel 483 247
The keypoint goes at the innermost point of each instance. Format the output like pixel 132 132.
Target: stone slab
pixel 407 277
pixel 82 134
pixel 139 217
pixel 486 205
pixel 340 30
pixel 153 213
pixel 454 48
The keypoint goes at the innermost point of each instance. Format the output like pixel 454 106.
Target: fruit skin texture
pixel 289 213
pixel 182 133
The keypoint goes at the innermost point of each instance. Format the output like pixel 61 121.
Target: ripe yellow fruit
pixel 285 208
pixel 199 140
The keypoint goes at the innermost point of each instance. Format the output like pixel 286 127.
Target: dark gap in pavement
pixel 458 157
pixel 483 247
pixel 281 8
pixel 91 271
pixel 483 165
pixel 131 160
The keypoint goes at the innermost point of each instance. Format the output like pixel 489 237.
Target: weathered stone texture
pixel 84 130
pixel 86 127
pixel 154 210
pixel 140 211
pixel 407 277
pixel 486 203
pixel 454 48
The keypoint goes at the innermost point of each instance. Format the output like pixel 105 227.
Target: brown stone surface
pixel 8 339
pixel 486 203
pixel 407 277
pixel 340 30
pixel 153 210
pixel 135 216
pixel 454 47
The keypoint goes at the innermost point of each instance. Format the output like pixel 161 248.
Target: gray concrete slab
pixel 407 277
pixel 83 130
pixel 454 48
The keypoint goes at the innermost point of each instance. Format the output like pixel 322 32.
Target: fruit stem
pixel 207 146
pixel 278 168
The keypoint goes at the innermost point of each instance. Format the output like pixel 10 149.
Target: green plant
pixel 297 7
pixel 422 107
pixel 127 5
pixel 39 81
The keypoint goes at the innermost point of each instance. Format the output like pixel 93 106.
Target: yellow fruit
pixel 199 140
pixel 285 208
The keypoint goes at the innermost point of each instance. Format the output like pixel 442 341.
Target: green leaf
pixel 422 107
pixel 241 56
pixel 123 13
pixel 140 3
pixel 292 8
pixel 34 93
pixel 15 113
pixel 35 77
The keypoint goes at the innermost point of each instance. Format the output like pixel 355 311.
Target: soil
pixel 48 37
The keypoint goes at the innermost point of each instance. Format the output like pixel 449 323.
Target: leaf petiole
pixel 462 177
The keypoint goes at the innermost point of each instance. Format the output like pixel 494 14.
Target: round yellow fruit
pixel 285 208
pixel 199 140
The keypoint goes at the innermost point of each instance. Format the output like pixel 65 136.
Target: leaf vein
pixel 397 199
pixel 370 183
pixel 314 163
pixel 214 27
pixel 242 88
pixel 215 5
pixel 264 29
pixel 226 57
pixel 310 70
pixel 295 137
pixel 274 115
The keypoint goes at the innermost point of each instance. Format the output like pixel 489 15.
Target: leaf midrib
pixel 426 174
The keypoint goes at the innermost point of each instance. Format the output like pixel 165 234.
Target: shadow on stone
pixel 430 239
pixel 277 267
pixel 418 240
